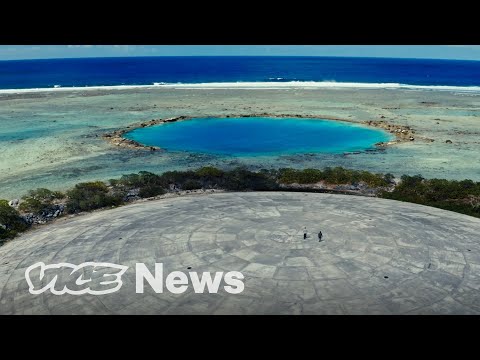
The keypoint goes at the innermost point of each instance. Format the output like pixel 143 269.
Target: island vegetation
pixel 42 205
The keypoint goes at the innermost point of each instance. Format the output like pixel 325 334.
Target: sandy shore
pixel 54 139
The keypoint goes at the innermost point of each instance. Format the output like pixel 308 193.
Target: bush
pixel 191 185
pixel 31 205
pixel 10 222
pixel 458 196
pixel 389 178
pixel 39 200
pixel 43 194
pixel 337 175
pixel 90 196
pixel 115 182
pixel 143 178
pixel 209 172
pixel 372 180
pixel 149 184
pixel 151 191
pixel 242 179
pixel 411 181
pixel 177 177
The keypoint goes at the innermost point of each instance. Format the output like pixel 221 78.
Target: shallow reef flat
pixel 54 139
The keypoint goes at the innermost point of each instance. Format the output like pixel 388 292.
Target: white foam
pixel 257 85
pixel 320 85
pixel 74 88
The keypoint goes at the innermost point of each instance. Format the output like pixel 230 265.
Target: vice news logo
pixel 105 278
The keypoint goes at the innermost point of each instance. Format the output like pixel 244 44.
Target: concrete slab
pixel 377 256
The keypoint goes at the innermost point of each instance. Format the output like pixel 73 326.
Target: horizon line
pixel 238 56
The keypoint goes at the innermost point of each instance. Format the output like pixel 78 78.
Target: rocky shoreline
pixel 402 133
pixel 117 137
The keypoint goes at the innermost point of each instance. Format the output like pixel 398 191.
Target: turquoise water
pixel 259 136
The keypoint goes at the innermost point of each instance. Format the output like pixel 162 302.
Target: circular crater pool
pixel 257 136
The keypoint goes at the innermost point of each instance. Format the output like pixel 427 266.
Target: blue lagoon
pixel 252 136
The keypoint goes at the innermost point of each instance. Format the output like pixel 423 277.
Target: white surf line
pixel 256 86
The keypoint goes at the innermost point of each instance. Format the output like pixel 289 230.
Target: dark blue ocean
pixel 24 74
